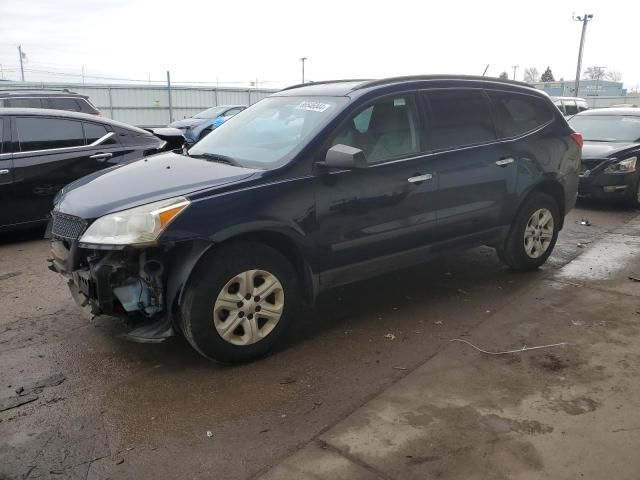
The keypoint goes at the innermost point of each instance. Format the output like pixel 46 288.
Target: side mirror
pixel 346 157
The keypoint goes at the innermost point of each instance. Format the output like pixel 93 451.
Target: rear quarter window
pixel 94 131
pixel 84 106
pixel 517 114
pixel 70 104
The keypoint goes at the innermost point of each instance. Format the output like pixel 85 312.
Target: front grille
pixel 67 227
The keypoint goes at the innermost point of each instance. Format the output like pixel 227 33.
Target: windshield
pixel 268 133
pixel 210 112
pixel 607 128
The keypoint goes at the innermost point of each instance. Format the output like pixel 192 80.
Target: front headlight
pixel 627 165
pixel 136 226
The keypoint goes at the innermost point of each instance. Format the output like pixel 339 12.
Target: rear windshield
pixel 270 132
pixel 607 128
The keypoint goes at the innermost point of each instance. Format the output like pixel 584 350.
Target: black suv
pixel 43 150
pixel 317 185
pixel 53 99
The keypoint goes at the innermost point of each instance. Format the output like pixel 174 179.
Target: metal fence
pixel 150 105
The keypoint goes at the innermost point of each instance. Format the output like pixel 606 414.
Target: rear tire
pixel 223 315
pixel 533 233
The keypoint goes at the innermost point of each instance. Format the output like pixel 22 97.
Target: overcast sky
pixel 238 41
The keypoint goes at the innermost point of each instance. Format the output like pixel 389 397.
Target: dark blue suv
pixel 315 186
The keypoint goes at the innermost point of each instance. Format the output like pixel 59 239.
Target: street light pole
pixel 21 56
pixel 514 70
pixel 303 60
pixel 584 19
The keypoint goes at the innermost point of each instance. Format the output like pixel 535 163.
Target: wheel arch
pixel 554 189
pixel 283 240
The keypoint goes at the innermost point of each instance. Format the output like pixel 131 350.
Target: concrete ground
pixel 126 410
pixel 563 412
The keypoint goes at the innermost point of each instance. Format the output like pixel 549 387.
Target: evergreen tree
pixel 547 76
pixel 504 76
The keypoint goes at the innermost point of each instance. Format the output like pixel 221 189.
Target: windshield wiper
pixel 216 157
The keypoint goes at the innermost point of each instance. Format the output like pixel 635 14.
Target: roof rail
pixel 36 89
pixel 408 78
pixel 322 82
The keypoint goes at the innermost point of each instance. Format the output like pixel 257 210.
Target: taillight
pixel 577 137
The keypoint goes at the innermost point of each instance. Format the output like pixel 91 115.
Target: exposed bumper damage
pixel 128 283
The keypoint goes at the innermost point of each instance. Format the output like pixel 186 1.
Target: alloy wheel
pixel 538 233
pixel 248 307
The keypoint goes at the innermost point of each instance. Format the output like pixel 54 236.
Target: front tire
pixel 239 302
pixel 633 200
pixel 533 234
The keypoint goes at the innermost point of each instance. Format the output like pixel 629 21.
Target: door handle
pixel 420 178
pixel 504 161
pixel 4 171
pixel 101 156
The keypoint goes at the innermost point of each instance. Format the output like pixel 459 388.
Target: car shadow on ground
pixel 22 235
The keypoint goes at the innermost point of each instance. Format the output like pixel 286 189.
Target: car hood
pixel 606 149
pixel 144 181
pixel 188 122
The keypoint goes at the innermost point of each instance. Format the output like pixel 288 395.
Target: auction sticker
pixel 313 106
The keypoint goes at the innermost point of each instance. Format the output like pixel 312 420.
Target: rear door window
pixel 47 133
pixel 458 118
pixel 517 114
pixel 23 102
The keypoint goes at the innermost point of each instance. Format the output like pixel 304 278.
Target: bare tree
pixel 614 76
pixel 594 73
pixel 531 75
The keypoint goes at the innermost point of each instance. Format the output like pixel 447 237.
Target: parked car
pixel 203 123
pixel 53 99
pixel 43 150
pixel 316 186
pixel 610 154
pixel 570 106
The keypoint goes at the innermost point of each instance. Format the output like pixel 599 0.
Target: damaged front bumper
pixel 127 283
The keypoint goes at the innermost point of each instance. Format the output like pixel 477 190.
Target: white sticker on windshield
pixel 313 106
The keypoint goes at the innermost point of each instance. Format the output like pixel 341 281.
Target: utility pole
pixel 83 74
pixel 515 67
pixel 584 19
pixel 303 59
pixel 20 55
pixel 169 94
